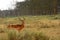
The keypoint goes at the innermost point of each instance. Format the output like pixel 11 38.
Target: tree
pixel 37 7
pixel 55 7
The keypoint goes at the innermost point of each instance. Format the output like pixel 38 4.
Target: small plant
pixel 12 34
pixel 1 30
pixel 27 35
pixel 41 36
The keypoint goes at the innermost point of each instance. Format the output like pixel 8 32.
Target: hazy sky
pixel 5 4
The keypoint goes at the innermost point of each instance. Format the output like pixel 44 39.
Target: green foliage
pixel 12 34
pixel 27 35
pixel 36 7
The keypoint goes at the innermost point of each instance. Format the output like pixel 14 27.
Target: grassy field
pixel 46 27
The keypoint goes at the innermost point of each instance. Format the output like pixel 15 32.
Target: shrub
pixel 1 30
pixel 27 35
pixel 12 34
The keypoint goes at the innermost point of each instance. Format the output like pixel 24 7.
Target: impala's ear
pixel 23 18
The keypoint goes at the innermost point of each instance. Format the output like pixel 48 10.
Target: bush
pixel 1 30
pixel 27 35
pixel 12 34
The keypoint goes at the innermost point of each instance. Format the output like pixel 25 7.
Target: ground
pixel 47 24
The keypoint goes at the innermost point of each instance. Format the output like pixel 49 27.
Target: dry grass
pixel 50 28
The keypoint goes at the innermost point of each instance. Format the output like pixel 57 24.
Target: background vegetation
pixel 36 28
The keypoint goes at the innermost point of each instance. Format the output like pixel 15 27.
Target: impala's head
pixel 21 19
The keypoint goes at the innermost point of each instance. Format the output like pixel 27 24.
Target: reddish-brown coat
pixel 16 26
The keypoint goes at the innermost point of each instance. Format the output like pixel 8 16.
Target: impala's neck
pixel 22 22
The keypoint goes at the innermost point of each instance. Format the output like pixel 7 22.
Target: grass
pixel 44 27
pixel 27 35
